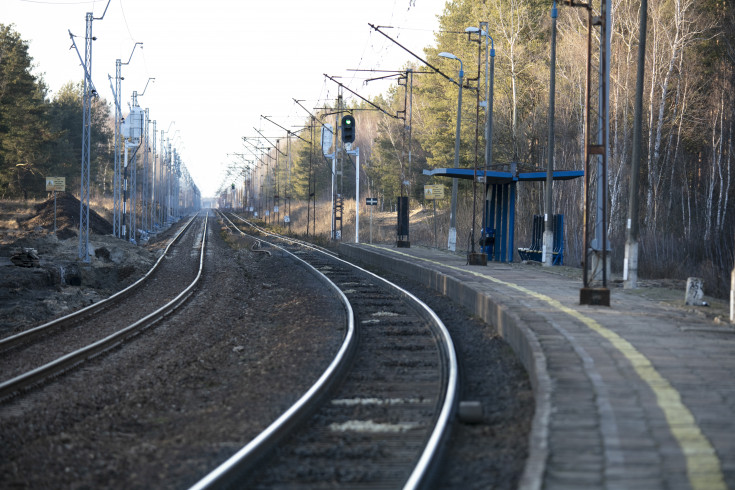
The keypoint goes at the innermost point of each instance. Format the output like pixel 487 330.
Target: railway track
pixel 380 414
pixel 32 356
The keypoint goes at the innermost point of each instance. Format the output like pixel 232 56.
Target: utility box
pixel 132 127
pixel 402 240
pixel 327 135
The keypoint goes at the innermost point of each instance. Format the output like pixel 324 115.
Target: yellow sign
pixel 56 184
pixel 433 192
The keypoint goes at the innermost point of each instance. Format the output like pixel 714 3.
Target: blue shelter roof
pixel 501 177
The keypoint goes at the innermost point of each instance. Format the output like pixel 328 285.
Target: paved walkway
pixel 637 395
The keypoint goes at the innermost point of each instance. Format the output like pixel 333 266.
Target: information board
pixel 433 192
pixel 56 184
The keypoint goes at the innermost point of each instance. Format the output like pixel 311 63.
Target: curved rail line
pixel 284 238
pixel 241 462
pixel 27 335
pixel 54 368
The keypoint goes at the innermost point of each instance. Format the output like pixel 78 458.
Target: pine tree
pixel 24 129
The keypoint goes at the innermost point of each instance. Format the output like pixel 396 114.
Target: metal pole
pixel 410 129
pixel 371 225
pixel 124 190
pixel 117 181
pixel 154 188
pixel 605 111
pixel 548 247
pixel 86 143
pixel 117 193
pixel 630 263
pixel 436 245
pixel 452 242
pixel 585 219
pixel 144 194
pixel 288 183
pixel 133 182
pixel 489 107
pixel 490 97
pixel 161 192
pixel 477 139
pixel 357 195
pixel 169 164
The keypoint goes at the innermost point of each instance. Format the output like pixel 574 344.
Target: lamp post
pixel 452 242
pixel 490 84
pixel 548 247
pixel 630 263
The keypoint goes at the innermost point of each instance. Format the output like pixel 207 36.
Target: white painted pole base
pixel 548 256
pixel 732 296
pixel 630 266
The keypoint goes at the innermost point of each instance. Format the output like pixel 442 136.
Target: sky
pixel 219 65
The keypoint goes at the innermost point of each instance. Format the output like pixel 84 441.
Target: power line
pixel 377 28
pixel 363 98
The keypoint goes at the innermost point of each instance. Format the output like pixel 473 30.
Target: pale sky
pixel 221 64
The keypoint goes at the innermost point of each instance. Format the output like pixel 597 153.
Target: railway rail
pixel 61 344
pixel 381 412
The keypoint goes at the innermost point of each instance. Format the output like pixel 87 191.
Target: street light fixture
pixel 452 241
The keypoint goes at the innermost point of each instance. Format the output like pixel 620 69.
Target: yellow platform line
pixel 703 465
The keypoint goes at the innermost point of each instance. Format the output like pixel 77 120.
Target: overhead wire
pixel 125 20
pixel 60 3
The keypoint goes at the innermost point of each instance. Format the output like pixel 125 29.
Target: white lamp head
pixel 474 30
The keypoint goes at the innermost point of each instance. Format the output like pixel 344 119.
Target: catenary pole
pixel 89 91
pixel 630 262
pixel 118 180
pixel 452 239
pixel 548 246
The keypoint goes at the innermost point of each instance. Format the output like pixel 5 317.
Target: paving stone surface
pixel 635 395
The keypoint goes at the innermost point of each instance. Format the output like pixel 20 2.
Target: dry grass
pixel 421 227
pixel 103 206
pixel 12 211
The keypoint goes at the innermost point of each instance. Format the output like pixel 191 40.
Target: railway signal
pixel 348 129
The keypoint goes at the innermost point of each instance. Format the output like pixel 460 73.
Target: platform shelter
pixel 498 217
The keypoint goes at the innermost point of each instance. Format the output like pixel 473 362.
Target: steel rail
pixel 68 361
pixel 286 238
pixel 228 472
pixel 422 471
pixel 25 336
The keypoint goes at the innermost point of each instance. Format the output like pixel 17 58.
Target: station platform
pixel 637 395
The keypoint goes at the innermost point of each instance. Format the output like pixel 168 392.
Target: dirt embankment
pixel 61 283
